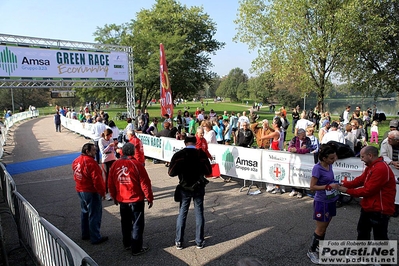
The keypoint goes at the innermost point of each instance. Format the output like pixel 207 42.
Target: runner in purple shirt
pixel 326 195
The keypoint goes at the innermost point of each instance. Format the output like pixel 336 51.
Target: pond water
pixel 388 106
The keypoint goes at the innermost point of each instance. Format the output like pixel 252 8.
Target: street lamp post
pixel 304 102
pixel 12 101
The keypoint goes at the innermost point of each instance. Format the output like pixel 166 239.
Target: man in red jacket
pixel 91 190
pixel 138 146
pixel 129 184
pixel 377 186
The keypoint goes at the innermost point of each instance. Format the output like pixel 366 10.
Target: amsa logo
pixel 35 62
pixel 246 164
pixel 8 61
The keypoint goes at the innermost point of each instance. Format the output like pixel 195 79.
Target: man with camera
pixel 190 165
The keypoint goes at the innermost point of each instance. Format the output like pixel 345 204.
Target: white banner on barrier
pixel 301 169
pixel 348 169
pixel 244 163
pixel 152 146
pixel 275 167
pixel 170 147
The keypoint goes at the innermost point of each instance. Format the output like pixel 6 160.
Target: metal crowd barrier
pixel 9 122
pixel 42 240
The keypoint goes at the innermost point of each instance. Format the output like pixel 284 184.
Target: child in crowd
pixel 374 132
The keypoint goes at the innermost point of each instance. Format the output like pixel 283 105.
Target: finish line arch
pixel 31 62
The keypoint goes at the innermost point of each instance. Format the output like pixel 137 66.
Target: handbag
pixel 177 195
pixel 215 170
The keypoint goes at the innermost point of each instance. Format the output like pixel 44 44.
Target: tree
pixel 372 60
pixel 294 37
pixel 23 97
pixel 261 88
pixel 188 38
pixel 234 86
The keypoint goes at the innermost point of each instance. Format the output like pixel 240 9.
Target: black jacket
pixel 190 165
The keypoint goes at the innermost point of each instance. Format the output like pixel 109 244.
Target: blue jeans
pixel 132 222
pixel 90 217
pixel 198 199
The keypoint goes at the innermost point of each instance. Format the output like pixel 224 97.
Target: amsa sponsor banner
pixel 170 147
pixel 26 62
pixel 152 146
pixel 244 163
pixel 276 167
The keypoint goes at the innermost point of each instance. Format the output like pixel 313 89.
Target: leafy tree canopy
pixel 294 38
pixel 188 37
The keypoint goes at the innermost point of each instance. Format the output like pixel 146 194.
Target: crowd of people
pixel 127 183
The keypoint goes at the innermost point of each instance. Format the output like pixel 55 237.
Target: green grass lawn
pixel 218 107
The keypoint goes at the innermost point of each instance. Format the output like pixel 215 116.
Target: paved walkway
pixel 276 229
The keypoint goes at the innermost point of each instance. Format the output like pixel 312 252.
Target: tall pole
pixel 304 102
pixel 12 100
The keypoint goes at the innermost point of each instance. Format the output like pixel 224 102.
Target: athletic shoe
pixel 141 252
pixel 179 245
pixel 201 245
pixel 277 191
pixel 108 197
pixel 101 240
pixel 293 193
pixel 299 195
pixel 282 189
pixel 313 256
pixel 270 188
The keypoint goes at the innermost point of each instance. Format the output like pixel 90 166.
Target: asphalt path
pixel 275 229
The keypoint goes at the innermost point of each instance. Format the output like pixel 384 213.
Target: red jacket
pixel 377 186
pixel 128 181
pixel 203 145
pixel 88 175
pixel 138 149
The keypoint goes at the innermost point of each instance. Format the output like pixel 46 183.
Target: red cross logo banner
pixel 165 89
pixel 277 172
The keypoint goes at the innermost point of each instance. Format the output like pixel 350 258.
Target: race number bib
pixel 332 193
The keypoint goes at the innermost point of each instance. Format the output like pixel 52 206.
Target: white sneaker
pixel 313 256
pixel 276 191
pixel 270 188
pixel 293 193
pixel 299 195
pixel 108 197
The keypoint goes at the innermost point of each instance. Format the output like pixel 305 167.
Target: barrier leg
pixel 251 184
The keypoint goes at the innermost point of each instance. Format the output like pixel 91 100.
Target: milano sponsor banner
pixel 26 62
pixel 276 167
pixel 165 89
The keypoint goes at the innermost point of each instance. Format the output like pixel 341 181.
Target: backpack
pixel 285 123
pixel 341 117
pixel 343 150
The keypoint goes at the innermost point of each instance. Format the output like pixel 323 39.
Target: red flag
pixel 166 91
